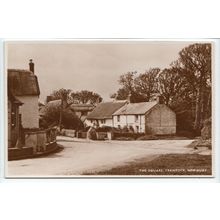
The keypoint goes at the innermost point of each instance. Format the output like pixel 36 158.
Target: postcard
pixel 109 108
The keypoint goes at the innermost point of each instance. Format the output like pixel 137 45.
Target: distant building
pixel 146 117
pixel 102 115
pixel 81 110
pixel 23 85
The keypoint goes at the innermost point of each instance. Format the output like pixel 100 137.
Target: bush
pixel 201 143
pixel 52 117
pixel 125 129
pixel 104 129
pixel 92 134
pixel 206 131
pixel 131 129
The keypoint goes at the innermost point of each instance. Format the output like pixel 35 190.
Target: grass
pixel 170 164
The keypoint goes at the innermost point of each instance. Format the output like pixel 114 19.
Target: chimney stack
pixel 159 99
pixel 129 98
pixel 31 66
pixel 48 99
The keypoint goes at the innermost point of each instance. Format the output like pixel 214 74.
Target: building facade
pixel 102 115
pixel 23 85
pixel 146 117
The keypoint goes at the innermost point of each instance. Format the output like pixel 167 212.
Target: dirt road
pixel 79 156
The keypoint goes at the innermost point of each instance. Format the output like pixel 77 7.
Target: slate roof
pixel 135 108
pixel 22 82
pixel 105 110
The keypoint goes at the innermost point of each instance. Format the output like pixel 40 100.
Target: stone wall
pixel 161 120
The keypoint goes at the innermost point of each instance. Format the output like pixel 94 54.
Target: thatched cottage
pixel 23 85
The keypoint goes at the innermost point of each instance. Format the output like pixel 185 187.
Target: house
pixel 25 139
pixel 81 110
pixel 14 120
pixel 146 117
pixel 102 115
pixel 23 85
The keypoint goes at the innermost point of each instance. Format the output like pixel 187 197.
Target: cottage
pixel 23 85
pixel 146 117
pixel 82 110
pixel 102 115
pixel 14 120
pixel 25 139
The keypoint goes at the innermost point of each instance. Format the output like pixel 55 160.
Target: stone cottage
pixel 146 117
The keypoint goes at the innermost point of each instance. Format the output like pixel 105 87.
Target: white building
pixel 23 84
pixel 146 117
pixel 102 115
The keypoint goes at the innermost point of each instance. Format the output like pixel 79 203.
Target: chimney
pixel 129 98
pixel 31 66
pixel 159 99
pixel 48 99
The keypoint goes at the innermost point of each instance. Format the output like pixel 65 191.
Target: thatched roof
pixel 135 108
pixel 13 99
pixel 22 82
pixel 105 110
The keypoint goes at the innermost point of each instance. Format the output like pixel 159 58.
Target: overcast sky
pixel 94 66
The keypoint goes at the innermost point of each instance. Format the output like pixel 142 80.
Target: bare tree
pixel 195 63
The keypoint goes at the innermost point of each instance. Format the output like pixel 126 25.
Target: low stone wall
pixel 69 132
pixel 82 134
pixel 101 135
pixel 36 143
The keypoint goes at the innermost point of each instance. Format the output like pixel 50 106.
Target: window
pixel 136 118
pixel 103 121
pixel 137 128
pixel 13 116
pixel 118 118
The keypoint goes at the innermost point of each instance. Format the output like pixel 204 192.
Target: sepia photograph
pixel 109 108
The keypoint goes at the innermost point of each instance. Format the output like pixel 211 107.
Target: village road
pixel 80 155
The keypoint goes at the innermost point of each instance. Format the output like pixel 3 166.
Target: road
pixel 79 156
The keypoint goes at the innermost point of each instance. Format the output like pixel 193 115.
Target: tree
pixel 52 118
pixel 68 98
pixel 86 97
pixel 127 81
pixel 145 84
pixel 195 64
pixel 171 86
pixel 121 94
pixel 58 94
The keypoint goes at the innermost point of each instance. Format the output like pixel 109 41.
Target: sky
pixel 89 65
